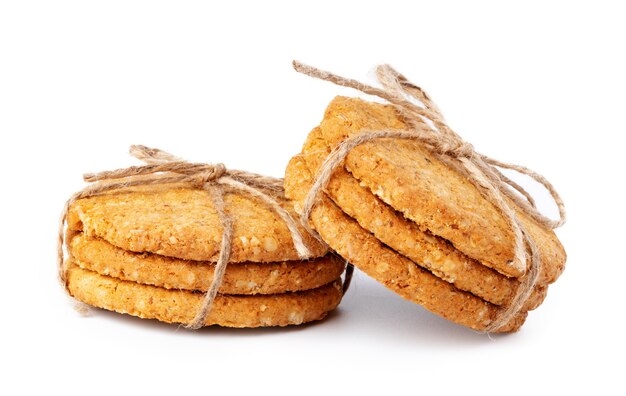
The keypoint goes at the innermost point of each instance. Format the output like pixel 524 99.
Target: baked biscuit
pixel 407 238
pixel 240 278
pixel 178 306
pixel 416 183
pixel 398 273
pixel 181 222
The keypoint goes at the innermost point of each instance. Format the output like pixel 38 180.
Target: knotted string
pixel 427 125
pixel 164 168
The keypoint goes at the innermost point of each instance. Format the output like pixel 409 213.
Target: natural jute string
pixel 426 125
pixel 164 168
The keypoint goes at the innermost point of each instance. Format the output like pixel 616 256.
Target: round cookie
pixel 178 221
pixel 240 278
pixel 177 306
pixel 395 271
pixel 406 237
pixel 416 183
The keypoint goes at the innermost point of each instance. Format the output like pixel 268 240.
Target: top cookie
pixel 181 222
pixel 413 181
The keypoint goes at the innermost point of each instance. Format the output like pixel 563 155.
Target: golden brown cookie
pixel 413 181
pixel 177 306
pixel 240 278
pixel 395 271
pixel 408 239
pixel 177 221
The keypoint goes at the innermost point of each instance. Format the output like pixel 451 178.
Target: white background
pixel 540 84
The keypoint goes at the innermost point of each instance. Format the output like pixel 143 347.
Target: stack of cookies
pixel 150 251
pixel 401 215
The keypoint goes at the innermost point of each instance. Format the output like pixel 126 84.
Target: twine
pixel 164 168
pixel 427 125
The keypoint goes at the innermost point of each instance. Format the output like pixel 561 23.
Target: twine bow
pixel 164 168
pixel 427 125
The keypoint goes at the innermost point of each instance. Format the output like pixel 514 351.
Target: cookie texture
pixel 240 278
pixel 395 271
pixel 416 183
pixel 407 238
pixel 177 306
pixel 181 222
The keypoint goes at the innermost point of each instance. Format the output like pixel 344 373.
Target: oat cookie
pixel 240 278
pixel 395 271
pixel 177 306
pixel 406 237
pixel 181 222
pixel 413 181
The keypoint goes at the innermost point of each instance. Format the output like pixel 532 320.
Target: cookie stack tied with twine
pixel 194 244
pixel 396 192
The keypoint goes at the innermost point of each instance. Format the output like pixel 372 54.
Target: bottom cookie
pixel 358 246
pixel 178 306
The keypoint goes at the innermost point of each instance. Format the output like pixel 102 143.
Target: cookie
pixel 407 238
pixel 396 272
pixel 181 222
pixel 416 183
pixel 177 306
pixel 240 278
